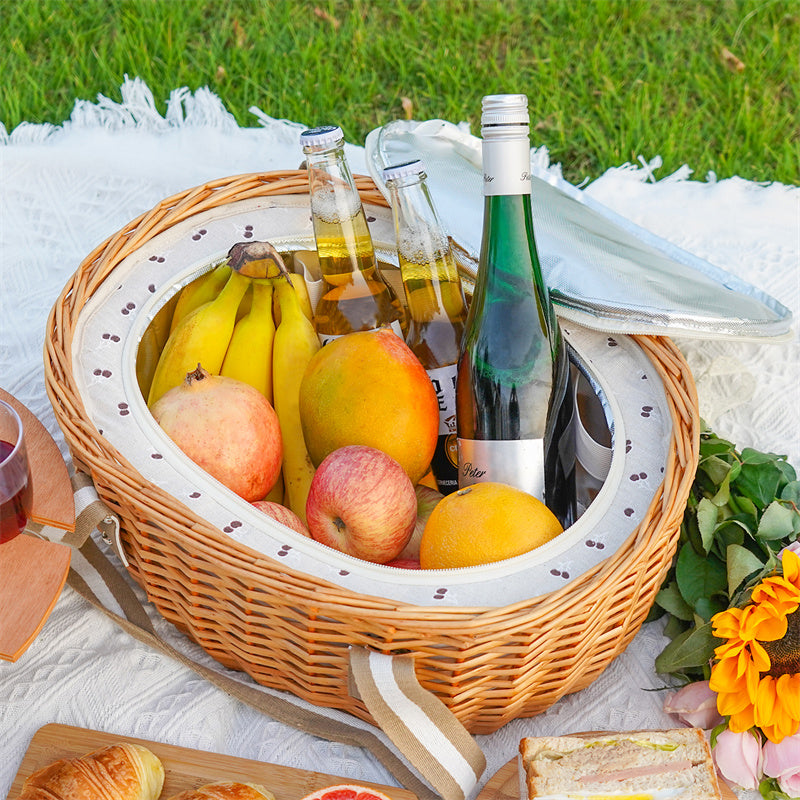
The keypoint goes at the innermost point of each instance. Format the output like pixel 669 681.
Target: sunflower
pixel 756 673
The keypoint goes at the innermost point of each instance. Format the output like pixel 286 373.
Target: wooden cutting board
pixel 504 785
pixel 184 768
pixel 33 571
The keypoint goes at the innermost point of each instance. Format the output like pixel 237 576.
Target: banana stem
pixel 256 260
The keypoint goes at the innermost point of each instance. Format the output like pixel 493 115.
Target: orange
pixel 483 523
pixel 368 388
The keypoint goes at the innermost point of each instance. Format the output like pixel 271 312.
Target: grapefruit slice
pixel 347 791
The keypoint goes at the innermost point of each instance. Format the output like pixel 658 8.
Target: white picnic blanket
pixel 64 189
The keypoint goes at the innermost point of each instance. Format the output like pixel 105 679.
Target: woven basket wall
pixel 290 631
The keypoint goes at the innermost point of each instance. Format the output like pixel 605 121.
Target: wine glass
pixel 15 482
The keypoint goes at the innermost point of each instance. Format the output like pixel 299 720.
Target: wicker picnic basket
pixel 291 631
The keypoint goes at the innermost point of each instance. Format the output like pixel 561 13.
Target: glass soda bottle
pixel 355 296
pixel 435 299
pixel 514 401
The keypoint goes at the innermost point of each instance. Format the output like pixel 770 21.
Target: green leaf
pixel 759 481
pixel 707 514
pixel 791 493
pixel 716 469
pixel 699 576
pixel 787 470
pixel 671 600
pixel 741 563
pixel 693 648
pixel 674 627
pixel 721 498
pixel 729 532
pixel 769 790
pixel 777 522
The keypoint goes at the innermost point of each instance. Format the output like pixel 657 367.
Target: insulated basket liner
pixel 116 316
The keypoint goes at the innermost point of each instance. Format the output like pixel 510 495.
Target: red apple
pixel 282 514
pixel 404 563
pixel 362 502
pixel 427 499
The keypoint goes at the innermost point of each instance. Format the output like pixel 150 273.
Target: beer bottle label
pixel 517 462
pixel 445 459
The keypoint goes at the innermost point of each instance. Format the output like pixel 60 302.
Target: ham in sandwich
pixel 640 765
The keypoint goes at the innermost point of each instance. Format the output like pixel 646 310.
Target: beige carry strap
pixel 428 750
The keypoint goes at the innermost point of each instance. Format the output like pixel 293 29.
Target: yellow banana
pixel 299 283
pixel 200 337
pixel 249 355
pixel 153 340
pixel 296 341
pixel 275 494
pixel 200 291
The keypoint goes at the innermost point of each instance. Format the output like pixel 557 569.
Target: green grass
pixel 608 80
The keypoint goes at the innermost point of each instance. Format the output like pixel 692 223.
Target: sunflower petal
pixel 760 656
pixel 733 703
pixel 789 693
pixel 770 627
pixel 767 709
pixel 725 676
pixel 791 567
pixel 742 721
pixel 726 624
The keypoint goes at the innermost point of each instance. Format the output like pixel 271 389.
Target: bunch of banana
pixel 204 333
pixel 296 341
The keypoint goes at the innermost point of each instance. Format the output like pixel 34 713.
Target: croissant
pixel 226 791
pixel 117 772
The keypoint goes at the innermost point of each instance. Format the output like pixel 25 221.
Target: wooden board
pixel 504 785
pixel 32 575
pixel 184 768
pixel 52 499
pixel 33 571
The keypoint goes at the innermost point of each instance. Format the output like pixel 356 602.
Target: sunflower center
pixel 784 654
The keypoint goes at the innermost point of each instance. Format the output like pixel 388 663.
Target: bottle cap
pixel 504 109
pixel 407 169
pixel 323 136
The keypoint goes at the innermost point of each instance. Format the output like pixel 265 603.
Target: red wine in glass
pixel 15 483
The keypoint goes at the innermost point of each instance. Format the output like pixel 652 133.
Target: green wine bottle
pixel 514 400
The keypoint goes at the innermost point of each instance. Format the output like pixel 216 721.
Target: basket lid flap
pixel 603 270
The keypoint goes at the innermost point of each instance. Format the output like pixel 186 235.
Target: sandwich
pixel 639 765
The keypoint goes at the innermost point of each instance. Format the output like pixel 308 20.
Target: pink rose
pixel 782 761
pixel 738 758
pixel 695 704
pixel 794 547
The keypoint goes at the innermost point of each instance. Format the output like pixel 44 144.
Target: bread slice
pixel 638 765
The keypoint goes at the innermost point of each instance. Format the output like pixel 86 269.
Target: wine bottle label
pixel 506 166
pixel 327 338
pixel 517 462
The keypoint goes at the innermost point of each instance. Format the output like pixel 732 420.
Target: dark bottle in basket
pixel 435 299
pixel 355 295
pixel 513 397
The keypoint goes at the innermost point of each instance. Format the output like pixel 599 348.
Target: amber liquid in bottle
pixel 355 295
pixel 436 305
